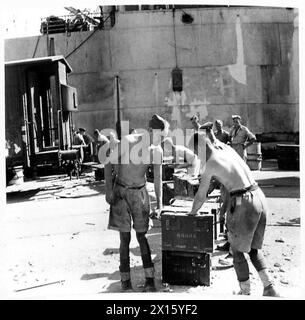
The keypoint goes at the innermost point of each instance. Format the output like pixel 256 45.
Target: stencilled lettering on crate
pixel 187 233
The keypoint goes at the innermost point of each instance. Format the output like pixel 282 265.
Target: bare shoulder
pixel 227 151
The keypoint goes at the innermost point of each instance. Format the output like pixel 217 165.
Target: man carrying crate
pixel 247 208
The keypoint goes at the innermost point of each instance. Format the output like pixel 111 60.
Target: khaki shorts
pixel 129 206
pixel 246 221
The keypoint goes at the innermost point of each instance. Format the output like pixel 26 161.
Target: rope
pixel 38 38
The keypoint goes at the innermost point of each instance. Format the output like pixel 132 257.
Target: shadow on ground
pixel 137 272
pixel 59 189
pixel 21 196
pixel 281 191
pixel 280 181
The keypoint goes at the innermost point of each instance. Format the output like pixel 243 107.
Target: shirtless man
pixel 190 159
pixel 246 215
pixel 99 140
pixel 129 199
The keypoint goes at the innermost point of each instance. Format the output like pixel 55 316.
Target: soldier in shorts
pixel 246 212
pixel 129 200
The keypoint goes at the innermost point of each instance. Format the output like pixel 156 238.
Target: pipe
pixel 118 123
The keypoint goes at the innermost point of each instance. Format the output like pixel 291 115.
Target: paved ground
pixel 55 244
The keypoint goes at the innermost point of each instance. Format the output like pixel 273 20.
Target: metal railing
pixel 72 23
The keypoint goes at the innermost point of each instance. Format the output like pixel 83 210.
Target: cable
pixel 85 40
pixel 68 55
pixel 175 38
pixel 36 46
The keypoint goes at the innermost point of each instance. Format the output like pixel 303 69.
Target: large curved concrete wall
pixel 234 60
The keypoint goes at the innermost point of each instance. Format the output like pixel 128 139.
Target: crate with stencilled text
pixel 182 232
pixel 186 268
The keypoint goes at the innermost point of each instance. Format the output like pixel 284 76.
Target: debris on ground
pixel 41 285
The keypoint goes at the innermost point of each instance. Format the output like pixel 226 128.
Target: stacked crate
pixel 167 172
pixel 186 187
pixel 187 242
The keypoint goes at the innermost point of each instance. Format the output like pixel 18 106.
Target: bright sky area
pixel 23 18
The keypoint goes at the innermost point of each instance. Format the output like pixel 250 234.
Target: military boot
pixel 126 282
pixel 270 291
pixel 244 288
pixel 149 285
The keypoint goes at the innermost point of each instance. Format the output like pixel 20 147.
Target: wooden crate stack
pixel 187 242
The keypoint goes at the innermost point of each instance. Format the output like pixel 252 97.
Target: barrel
pixel 18 177
pixel 254 156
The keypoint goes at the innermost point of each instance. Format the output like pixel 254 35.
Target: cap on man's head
pixel 81 129
pixel 194 117
pixel 157 122
pixel 217 121
pixel 236 116
pixel 207 125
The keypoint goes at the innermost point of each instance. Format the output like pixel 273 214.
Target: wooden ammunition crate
pixel 192 187
pixel 167 172
pixel 185 186
pixel 181 232
pixel 186 268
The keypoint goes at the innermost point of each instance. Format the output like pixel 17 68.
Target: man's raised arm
pixel 201 194
pixel 157 162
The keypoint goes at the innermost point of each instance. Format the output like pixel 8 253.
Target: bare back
pixel 228 167
pixel 223 163
pixel 128 171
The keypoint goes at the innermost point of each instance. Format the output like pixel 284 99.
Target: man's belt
pixel 240 192
pixel 129 187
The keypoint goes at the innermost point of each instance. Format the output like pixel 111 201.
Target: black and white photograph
pixel 151 151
